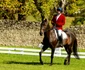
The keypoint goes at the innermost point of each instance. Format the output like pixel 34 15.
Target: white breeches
pixel 60 32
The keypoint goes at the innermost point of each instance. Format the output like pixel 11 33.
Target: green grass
pixel 68 22
pixel 31 18
pixel 24 62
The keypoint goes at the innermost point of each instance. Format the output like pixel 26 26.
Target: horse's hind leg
pixel 67 59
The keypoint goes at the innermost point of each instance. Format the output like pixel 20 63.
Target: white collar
pixel 58 16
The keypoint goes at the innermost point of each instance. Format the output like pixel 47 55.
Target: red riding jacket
pixel 58 22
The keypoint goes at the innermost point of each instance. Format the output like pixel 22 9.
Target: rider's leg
pixel 60 37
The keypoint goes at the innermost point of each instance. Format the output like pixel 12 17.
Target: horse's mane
pixel 49 25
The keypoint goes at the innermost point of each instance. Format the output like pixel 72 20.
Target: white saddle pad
pixel 64 35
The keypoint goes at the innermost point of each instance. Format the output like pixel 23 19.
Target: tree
pixel 45 7
pixel 21 8
pixel 38 5
pixel 73 6
pixel 39 9
pixel 8 9
pixel 62 4
pixel 79 13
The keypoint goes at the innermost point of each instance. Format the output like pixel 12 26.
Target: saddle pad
pixel 64 35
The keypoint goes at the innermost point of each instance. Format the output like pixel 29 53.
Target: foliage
pixel 78 21
pixel 12 7
pixel 45 7
pixel 32 10
pixel 9 9
pixel 74 6
pixel 80 14
pixel 48 7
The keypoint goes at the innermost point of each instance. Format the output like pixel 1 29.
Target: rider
pixel 58 21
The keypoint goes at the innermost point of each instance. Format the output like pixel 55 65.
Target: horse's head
pixel 43 26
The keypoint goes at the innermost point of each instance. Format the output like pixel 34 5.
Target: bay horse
pixel 50 41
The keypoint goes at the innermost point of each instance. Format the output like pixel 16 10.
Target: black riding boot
pixel 60 41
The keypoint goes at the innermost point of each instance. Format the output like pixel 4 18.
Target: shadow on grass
pixel 28 63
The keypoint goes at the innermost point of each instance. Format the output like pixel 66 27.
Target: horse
pixel 50 41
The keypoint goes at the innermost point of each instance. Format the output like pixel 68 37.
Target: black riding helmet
pixel 59 9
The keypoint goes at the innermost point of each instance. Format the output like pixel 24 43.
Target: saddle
pixel 64 35
pixel 61 38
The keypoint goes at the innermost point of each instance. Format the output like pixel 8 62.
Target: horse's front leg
pixel 52 55
pixel 40 55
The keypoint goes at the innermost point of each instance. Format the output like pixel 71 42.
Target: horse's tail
pixel 75 49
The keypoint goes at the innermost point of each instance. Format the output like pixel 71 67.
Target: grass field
pixel 68 22
pixel 24 62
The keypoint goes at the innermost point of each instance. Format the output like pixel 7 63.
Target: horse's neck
pixel 51 26
pixel 48 27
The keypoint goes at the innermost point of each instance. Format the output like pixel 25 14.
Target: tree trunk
pixel 38 5
pixel 62 4
pixel 20 15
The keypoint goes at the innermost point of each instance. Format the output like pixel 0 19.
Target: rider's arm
pixel 53 21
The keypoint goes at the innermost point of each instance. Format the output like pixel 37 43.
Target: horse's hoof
pixel 50 64
pixel 41 63
pixel 68 63
pixel 65 62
